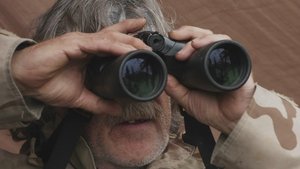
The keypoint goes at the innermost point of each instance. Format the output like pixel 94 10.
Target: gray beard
pixel 132 111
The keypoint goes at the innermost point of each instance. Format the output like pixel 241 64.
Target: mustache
pixel 135 111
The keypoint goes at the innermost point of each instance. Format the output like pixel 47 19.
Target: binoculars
pixel 141 75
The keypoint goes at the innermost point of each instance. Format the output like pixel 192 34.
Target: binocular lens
pixel 142 75
pixel 139 75
pixel 226 66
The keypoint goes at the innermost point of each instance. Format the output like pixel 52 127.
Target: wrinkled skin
pixel 53 72
pixel 221 111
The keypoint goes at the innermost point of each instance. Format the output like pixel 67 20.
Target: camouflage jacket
pixel 266 136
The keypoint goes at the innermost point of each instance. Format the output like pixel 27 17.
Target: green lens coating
pixel 224 66
pixel 141 77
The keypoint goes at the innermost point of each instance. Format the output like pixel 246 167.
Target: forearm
pixel 266 136
pixel 15 110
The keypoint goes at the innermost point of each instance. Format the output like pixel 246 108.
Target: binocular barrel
pixel 218 67
pixel 141 75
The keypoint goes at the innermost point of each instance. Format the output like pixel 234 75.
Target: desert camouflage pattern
pixel 15 110
pixel 267 135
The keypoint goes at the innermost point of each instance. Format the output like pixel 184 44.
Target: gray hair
pixel 93 15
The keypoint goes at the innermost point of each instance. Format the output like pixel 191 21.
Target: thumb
pixel 177 91
pixel 90 102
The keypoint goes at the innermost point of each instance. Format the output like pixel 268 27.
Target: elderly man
pixel 136 134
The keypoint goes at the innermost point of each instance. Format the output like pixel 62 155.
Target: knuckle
pixel 208 31
pixel 224 36
pixel 105 31
pixel 186 27
pixel 136 42
pixel 72 37
pixel 107 34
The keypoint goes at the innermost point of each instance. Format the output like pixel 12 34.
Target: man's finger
pixel 198 43
pixel 94 104
pixel 201 42
pixel 177 91
pixel 128 26
pixel 189 32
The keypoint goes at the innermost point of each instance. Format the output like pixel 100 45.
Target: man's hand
pixel 53 71
pixel 219 110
